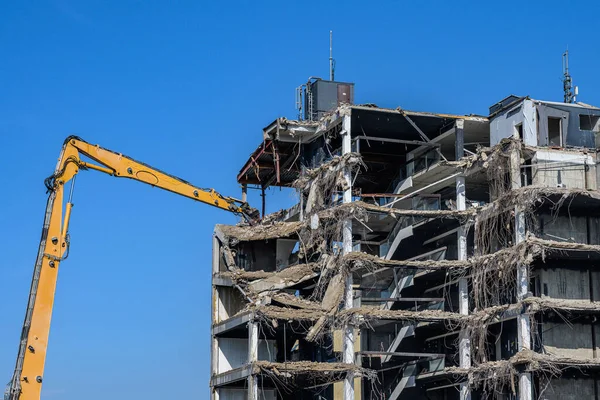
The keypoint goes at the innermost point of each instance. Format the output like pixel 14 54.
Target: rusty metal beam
pixel 285 165
pixel 253 160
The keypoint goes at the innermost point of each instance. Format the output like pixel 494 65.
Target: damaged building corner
pixel 429 256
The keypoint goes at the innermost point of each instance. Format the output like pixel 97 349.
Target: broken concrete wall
pixel 283 279
pixel 568 340
pixel 570 389
pixel 564 283
pixel 569 228
pixel 572 170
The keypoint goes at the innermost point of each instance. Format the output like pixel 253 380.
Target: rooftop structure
pixel 430 256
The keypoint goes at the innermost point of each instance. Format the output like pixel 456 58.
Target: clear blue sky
pixel 187 86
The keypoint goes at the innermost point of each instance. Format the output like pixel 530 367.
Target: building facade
pixel 429 256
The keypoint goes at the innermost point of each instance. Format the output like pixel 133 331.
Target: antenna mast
pixel 331 60
pixel 569 97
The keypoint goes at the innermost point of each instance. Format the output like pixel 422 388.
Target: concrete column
pixel 214 354
pixel 523 320
pixel 459 127
pixel 348 344
pixel 464 345
pixel 252 357
pixel 244 192
pixel 216 254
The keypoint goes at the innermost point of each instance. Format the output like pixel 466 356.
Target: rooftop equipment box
pixel 323 96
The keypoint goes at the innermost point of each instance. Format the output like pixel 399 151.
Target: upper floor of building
pixel 545 123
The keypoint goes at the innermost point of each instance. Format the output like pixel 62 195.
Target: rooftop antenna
pixel 569 96
pixel 331 60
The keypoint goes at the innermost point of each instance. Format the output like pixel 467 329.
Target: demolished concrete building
pixel 430 256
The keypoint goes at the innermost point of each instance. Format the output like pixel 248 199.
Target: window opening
pixel 554 131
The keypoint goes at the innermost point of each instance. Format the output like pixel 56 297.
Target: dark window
pixel 519 129
pixel 512 112
pixel 589 122
pixel 554 132
pixel 526 177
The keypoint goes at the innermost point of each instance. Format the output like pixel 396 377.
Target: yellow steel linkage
pixel 26 383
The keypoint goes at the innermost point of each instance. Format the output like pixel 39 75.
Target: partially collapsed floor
pixel 430 256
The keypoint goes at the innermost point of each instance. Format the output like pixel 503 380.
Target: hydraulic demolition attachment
pixel 26 383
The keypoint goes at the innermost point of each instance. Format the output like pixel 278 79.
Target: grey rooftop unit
pixel 323 96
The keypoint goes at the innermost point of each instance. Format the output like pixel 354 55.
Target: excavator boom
pixel 26 383
pixel 121 166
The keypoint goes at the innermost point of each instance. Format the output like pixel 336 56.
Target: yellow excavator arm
pixel 26 383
